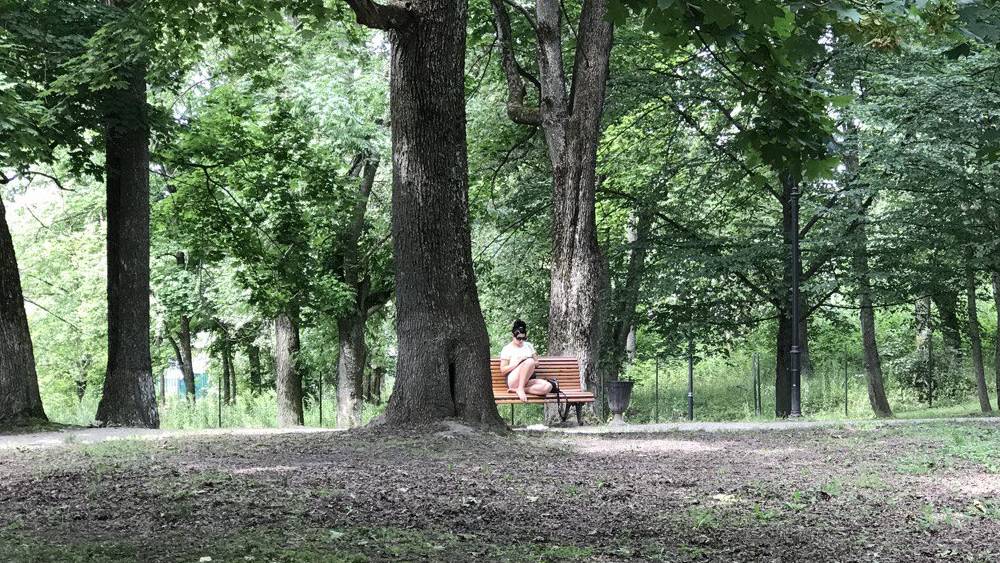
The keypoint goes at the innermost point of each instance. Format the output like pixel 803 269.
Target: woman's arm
pixel 505 366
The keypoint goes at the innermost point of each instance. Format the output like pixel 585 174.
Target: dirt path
pixel 887 493
pixel 97 435
pixel 780 425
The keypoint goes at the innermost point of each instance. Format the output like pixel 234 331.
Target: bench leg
pixel 512 415
pixel 579 413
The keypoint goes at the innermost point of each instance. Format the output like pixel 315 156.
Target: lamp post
pixel 690 378
pixel 795 353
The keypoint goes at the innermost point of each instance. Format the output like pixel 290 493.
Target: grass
pixel 952 444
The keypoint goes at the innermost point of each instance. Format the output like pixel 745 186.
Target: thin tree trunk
pixel 951 328
pixel 443 362
pixel 128 398
pixel 925 332
pixel 187 361
pixel 20 402
pixel 226 391
pixel 872 360
pixel 256 368
pixel 996 344
pixel 350 370
pixel 288 377
pixel 976 341
pixel 351 326
pixel 180 364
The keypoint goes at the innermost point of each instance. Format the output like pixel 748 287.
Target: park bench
pixel 566 371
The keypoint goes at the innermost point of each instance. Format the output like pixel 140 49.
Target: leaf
pixel 718 13
pixel 617 13
pixel 841 101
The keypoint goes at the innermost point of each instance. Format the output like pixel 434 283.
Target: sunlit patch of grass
pixel 702 518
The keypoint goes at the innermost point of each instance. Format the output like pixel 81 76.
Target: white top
pixel 516 353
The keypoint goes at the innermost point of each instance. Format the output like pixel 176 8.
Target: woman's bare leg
pixel 539 387
pixel 521 375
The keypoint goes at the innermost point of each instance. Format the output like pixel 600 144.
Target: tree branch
pixel 382 16
pixel 516 109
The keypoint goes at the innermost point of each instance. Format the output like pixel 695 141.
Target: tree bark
pixel 288 377
pixel 873 362
pixel 443 362
pixel 187 358
pixel 128 398
pixel 20 402
pixel 996 343
pixel 976 341
pixel 350 369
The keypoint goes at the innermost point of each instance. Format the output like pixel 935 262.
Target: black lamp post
pixel 795 353
pixel 690 377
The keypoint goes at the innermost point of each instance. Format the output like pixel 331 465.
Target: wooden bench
pixel 566 371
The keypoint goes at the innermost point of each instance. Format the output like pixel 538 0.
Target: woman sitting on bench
pixel 517 362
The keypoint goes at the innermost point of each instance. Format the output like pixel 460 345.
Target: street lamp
pixel 795 353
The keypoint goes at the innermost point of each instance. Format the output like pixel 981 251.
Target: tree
pixel 20 402
pixel 442 368
pixel 351 324
pixel 571 122
pixel 128 398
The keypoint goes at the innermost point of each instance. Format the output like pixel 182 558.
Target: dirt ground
pixel 916 493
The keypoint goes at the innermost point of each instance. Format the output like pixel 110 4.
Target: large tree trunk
pixel 976 341
pixel 996 344
pixel 20 402
pixel 872 360
pixel 187 358
pixel 129 398
pixel 443 362
pixel 572 127
pixel 350 370
pixel 288 376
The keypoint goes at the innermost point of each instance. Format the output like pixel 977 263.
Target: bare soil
pixel 915 493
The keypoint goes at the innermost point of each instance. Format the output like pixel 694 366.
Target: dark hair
pixel 519 326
